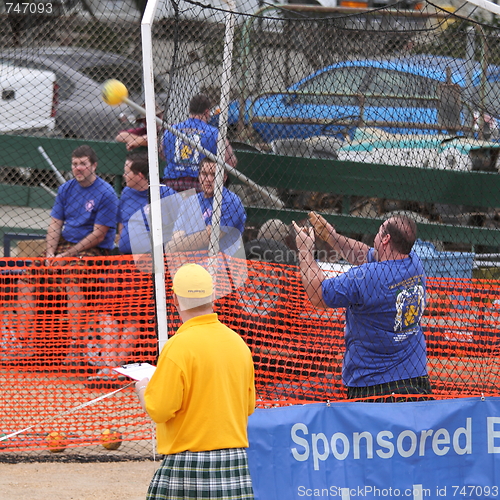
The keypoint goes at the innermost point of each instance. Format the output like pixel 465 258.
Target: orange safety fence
pixel 63 326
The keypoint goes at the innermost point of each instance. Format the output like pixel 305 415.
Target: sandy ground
pixel 76 481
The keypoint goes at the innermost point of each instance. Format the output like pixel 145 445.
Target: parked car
pixel 80 73
pixel 19 111
pixel 401 95
pixel 374 145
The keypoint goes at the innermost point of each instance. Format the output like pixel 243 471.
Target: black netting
pixel 360 112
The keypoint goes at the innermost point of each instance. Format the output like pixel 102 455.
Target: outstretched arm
pixel 312 275
pixel 132 140
pixel 354 251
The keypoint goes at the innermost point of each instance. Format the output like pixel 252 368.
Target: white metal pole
pixel 227 60
pixel 484 4
pixel 154 177
pixel 60 178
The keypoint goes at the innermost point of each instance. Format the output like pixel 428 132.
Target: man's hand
pixel 323 229
pixel 141 385
pixel 140 388
pixel 135 141
pixel 304 238
pixel 311 274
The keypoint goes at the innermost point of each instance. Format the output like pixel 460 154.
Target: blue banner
pixel 431 449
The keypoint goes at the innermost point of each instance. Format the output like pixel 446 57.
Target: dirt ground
pixel 76 481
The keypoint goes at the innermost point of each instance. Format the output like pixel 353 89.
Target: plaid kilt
pixel 70 271
pixel 221 474
pixel 416 385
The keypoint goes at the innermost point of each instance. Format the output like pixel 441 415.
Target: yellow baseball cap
pixel 192 281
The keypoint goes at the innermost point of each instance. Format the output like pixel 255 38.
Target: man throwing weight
pixel 384 297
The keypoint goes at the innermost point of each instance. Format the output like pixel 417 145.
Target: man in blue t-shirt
pixel 83 224
pixel 194 223
pixel 384 297
pixel 84 213
pixel 182 159
pixel 134 198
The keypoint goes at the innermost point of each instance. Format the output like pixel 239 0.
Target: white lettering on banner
pixel 438 441
pixel 300 457
pixel 417 492
pixel 338 436
pixel 423 438
pixel 316 438
pixel 492 434
pixel 407 443
pixel 463 431
pixel 369 443
pixel 413 444
pixel 385 444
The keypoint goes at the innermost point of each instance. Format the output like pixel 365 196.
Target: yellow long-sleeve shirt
pixel 203 389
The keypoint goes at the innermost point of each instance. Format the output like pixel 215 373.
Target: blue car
pixel 409 95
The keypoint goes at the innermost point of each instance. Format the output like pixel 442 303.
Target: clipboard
pixel 136 371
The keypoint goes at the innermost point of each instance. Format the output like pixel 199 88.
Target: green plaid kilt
pixel 417 385
pixel 221 474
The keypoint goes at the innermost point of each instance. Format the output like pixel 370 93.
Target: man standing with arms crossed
pixel 384 297
pixel 200 397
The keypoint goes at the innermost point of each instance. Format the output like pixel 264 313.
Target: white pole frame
pixel 484 4
pixel 154 178
pixel 227 60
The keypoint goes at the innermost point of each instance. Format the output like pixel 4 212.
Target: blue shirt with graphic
pixel 132 201
pixel 182 159
pixel 80 208
pixel 384 304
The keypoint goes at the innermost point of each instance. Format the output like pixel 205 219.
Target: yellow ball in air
pixel 114 92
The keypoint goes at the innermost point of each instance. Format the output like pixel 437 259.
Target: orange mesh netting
pixel 60 325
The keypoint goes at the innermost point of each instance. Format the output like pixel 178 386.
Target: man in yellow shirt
pixel 200 397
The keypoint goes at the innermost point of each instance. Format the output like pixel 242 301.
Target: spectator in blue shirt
pixel 194 224
pixel 135 197
pixel 83 224
pixel 84 213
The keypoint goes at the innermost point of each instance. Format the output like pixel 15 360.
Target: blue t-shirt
pixel 131 201
pixel 196 213
pixel 80 208
pixel 384 304
pixel 183 160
